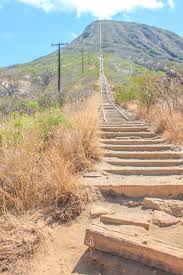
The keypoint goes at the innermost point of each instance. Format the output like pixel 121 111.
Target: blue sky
pixel 28 27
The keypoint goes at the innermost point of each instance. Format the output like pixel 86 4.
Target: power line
pixel 59 63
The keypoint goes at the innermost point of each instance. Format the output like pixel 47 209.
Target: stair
pixel 144 155
pixel 137 163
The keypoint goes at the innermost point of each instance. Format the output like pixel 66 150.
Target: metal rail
pixel 101 91
pixel 104 81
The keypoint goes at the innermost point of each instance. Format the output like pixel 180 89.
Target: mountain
pixel 122 42
pixel 132 41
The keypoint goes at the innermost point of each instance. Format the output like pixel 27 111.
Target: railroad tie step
pixel 143 163
pixel 138 147
pixel 130 243
pixel 127 134
pixel 146 171
pixel 128 141
pixel 125 129
pixel 141 190
pixel 144 155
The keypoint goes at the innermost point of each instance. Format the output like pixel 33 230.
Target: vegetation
pixel 41 156
pixel 118 69
pixel 158 98
pixel 46 142
pixel 37 82
pixel 126 93
pixel 43 152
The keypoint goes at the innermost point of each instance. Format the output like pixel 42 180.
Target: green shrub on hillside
pixel 125 93
pixel 14 127
pixel 32 106
pixel 140 87
pixel 17 125
pixel 47 122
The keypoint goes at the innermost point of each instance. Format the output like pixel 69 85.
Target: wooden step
pixel 128 141
pixel 125 129
pixel 144 155
pixel 127 134
pixel 136 218
pixel 122 124
pixel 143 163
pixel 137 147
pixel 128 242
pixel 133 190
pixel 153 171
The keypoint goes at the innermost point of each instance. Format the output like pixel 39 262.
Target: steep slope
pixel 133 41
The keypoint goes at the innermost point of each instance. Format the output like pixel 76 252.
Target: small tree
pixel 32 106
pixel 146 89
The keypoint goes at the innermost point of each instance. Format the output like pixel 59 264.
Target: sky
pixel 28 27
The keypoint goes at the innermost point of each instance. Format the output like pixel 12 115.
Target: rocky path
pixel 141 179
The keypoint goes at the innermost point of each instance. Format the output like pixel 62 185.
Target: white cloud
pixel 46 5
pixel 99 8
pixel 171 4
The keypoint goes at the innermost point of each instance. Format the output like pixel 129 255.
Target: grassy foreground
pixel 42 157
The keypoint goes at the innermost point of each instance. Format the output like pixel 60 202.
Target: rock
pixel 163 219
pixel 97 211
pixel 137 219
pixel 172 207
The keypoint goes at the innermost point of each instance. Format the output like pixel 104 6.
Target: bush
pixel 32 106
pixel 125 93
pixel 46 122
pixel 42 179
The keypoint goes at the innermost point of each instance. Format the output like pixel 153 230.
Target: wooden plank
pixel 136 246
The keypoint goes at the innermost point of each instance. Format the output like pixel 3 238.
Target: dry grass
pixel 44 175
pixel 83 131
pixel 32 177
pixel 164 122
pixel 19 238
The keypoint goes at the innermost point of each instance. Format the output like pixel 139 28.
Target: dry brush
pixel 41 171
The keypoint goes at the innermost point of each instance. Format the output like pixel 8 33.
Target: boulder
pixel 163 219
pixel 172 207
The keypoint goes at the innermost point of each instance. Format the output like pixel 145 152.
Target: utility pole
pixel 82 51
pixel 100 38
pixel 59 63
pixel 89 60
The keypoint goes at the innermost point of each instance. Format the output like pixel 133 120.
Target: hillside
pixel 123 43
pixel 133 41
pixel 37 81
